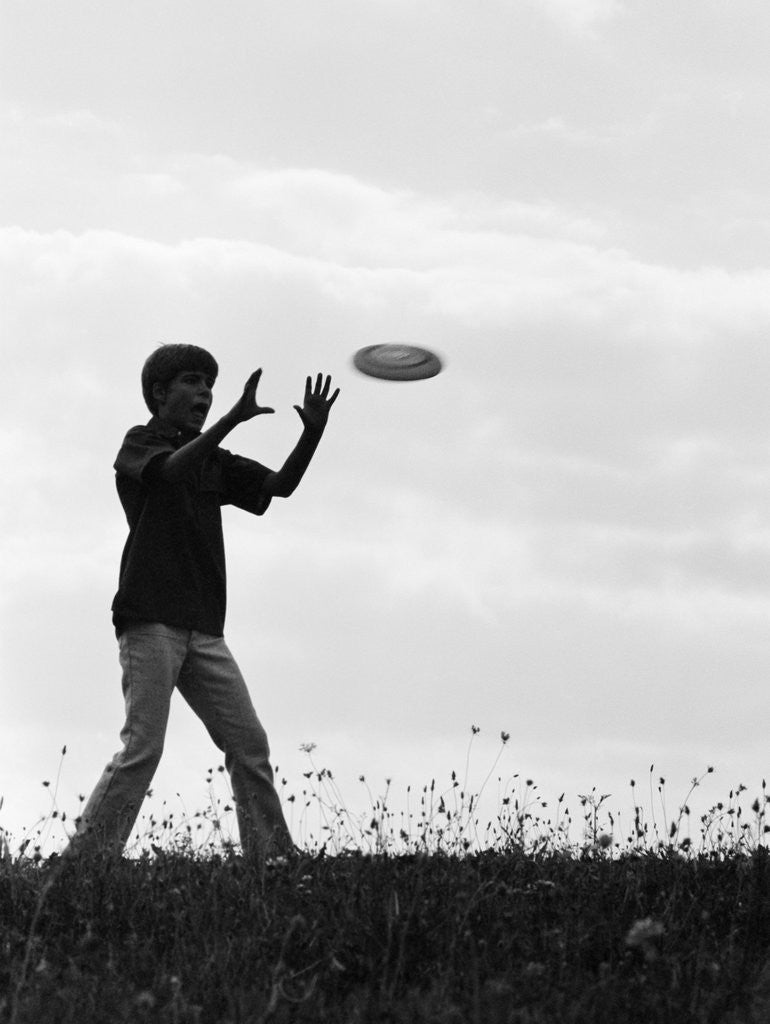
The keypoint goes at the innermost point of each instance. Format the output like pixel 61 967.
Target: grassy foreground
pixel 406 920
pixel 489 937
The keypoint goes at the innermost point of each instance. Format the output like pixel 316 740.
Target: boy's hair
pixel 169 360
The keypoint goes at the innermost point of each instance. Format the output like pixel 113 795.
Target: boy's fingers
pixel 250 387
pixel 320 389
pixel 322 386
pixel 333 399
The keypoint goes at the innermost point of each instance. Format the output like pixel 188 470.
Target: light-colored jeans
pixel 155 659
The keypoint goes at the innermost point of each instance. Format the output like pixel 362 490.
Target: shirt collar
pixel 159 426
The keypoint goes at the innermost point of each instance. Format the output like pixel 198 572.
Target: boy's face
pixel 185 401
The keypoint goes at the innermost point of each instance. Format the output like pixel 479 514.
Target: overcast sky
pixel 566 535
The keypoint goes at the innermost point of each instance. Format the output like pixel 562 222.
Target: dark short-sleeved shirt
pixel 173 565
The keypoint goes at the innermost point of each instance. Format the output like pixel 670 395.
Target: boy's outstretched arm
pixel 314 412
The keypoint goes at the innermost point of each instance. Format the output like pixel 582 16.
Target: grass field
pixel 419 916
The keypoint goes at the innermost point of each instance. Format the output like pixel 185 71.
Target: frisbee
pixel 397 362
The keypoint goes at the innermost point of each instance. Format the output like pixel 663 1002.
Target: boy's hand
pixel 246 407
pixel 314 411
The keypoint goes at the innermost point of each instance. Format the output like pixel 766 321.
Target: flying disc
pixel 397 362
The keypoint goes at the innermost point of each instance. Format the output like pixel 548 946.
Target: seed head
pixel 644 931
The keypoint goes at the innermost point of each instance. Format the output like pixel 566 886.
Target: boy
pixel 172 477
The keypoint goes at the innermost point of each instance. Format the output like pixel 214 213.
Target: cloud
pixel 526 299
pixel 582 16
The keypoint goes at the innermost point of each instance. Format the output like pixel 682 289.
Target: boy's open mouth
pixel 200 408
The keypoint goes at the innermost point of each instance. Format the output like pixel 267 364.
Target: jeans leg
pixel 151 656
pixel 213 686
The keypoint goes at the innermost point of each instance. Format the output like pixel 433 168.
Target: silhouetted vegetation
pixel 411 921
